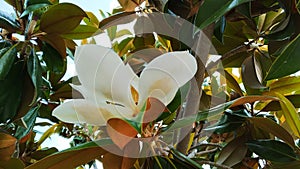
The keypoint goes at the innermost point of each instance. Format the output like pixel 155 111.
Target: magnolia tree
pixel 159 84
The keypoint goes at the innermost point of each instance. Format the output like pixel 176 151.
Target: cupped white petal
pixel 164 75
pixel 102 71
pixel 82 111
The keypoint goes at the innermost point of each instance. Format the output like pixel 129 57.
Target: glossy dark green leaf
pixel 73 157
pixel 82 32
pixel 284 34
pixel 234 152
pixel 40 154
pixel 220 28
pixel 9 22
pixel 61 18
pixel 273 150
pixel 35 72
pixel 54 62
pixel 33 8
pixel 273 128
pixel 252 74
pixel 211 11
pixel 7 57
pixel 29 121
pixel 285 63
pixel 57 42
pixel 227 123
pixel 10 99
pixel 184 158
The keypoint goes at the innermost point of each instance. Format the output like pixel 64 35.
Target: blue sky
pixel 87 5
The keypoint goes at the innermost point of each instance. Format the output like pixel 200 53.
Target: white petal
pixel 101 70
pixel 164 75
pixel 81 111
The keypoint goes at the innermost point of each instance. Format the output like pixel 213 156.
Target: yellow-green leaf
pixel 82 32
pixel 290 113
pixel 286 85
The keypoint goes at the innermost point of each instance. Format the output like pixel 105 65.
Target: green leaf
pixel 35 72
pixel 11 99
pixel 216 111
pixel 275 105
pixel 82 32
pixel 232 83
pixel 252 73
pixel 54 62
pixel 9 22
pixel 286 85
pixel 220 28
pixel 211 10
pixel 40 154
pixel 33 8
pixel 73 157
pixel 61 18
pixel 91 20
pixel 227 123
pixel 57 42
pixel 234 152
pixel 12 163
pixel 285 63
pixel 7 57
pixel 290 114
pixel 29 121
pixel 273 150
pixel 185 159
pixel 130 5
pixel 273 128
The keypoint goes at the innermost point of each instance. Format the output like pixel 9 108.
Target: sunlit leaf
pixel 61 18
pixel 285 63
pixel 290 113
pixel 285 85
pixel 73 157
pixel 91 20
pixel 272 150
pixel 130 5
pixel 82 32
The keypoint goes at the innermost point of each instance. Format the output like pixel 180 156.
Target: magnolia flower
pixel 112 90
